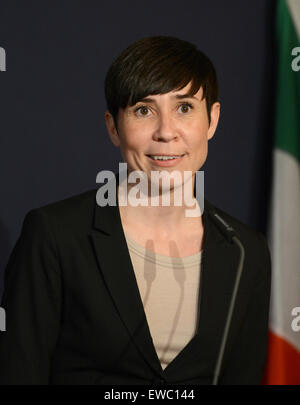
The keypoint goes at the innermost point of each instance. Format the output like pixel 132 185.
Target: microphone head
pixel 226 229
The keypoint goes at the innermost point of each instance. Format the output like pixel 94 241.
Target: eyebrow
pixel 177 96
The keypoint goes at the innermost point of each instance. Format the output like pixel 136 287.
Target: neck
pixel 167 210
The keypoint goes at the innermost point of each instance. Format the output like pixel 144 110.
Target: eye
pixel 143 109
pixel 186 107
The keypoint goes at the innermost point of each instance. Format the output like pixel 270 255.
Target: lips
pixel 166 163
pixel 165 154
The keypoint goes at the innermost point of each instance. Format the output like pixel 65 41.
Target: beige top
pixel 169 289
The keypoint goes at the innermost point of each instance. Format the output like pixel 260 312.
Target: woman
pixel 126 294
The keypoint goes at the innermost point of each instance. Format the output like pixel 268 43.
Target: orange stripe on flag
pixel 283 362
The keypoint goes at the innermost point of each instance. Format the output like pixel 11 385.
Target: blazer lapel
pixel 218 269
pixel 115 263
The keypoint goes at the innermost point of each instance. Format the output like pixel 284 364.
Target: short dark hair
pixel 158 65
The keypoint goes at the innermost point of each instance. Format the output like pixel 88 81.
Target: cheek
pixel 202 127
pixel 132 144
pixel 198 137
pixel 197 127
pixel 198 143
pixel 134 137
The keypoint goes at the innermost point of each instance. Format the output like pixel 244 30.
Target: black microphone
pixel 227 230
pixel 231 237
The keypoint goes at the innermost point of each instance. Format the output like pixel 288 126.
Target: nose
pixel 166 129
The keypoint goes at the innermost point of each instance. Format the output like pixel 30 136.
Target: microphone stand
pixel 231 236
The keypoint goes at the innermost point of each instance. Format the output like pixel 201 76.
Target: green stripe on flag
pixel 287 120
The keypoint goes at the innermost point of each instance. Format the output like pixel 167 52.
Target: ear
pixel 111 128
pixel 214 119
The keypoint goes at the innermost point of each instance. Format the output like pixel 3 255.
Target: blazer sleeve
pixel 245 365
pixel 32 302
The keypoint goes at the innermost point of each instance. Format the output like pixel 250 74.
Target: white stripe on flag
pixel 294 7
pixel 284 237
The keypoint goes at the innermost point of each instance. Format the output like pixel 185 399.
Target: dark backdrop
pixel 53 140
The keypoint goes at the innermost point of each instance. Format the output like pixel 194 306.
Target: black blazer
pixel 74 313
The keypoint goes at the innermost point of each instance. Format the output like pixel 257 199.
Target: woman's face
pixel 165 124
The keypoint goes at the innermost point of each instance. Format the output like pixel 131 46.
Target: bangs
pixel 158 65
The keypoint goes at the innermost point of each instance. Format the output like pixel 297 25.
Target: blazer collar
pixel 107 219
pixel 218 268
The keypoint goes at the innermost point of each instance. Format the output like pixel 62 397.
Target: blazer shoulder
pixel 71 213
pixel 248 235
pixel 258 257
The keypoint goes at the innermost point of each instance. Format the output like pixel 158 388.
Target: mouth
pixel 165 160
